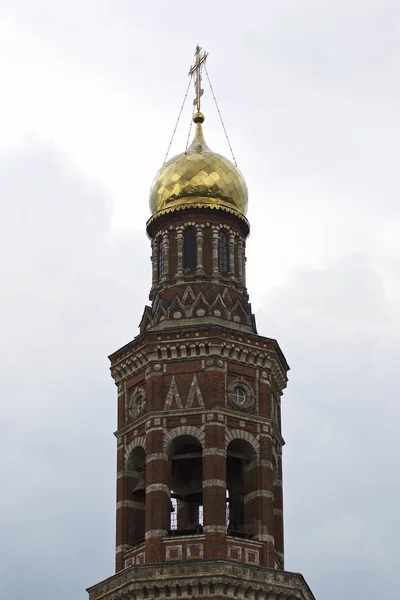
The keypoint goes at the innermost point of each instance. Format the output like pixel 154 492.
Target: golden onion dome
pixel 198 178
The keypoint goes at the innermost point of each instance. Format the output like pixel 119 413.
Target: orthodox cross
pixel 196 71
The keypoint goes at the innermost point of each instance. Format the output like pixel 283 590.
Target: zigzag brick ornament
pixel 199 441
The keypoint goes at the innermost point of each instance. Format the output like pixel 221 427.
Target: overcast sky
pixel 89 95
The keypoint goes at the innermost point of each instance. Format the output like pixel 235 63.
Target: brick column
pixel 244 264
pixel 278 511
pixel 154 262
pixel 135 504
pixel 122 517
pixel 251 506
pixel 214 491
pixel 122 401
pixel 179 246
pixel 199 243
pixel 165 251
pixel 265 501
pixel 231 254
pixel 240 262
pixel 215 270
pixel 158 502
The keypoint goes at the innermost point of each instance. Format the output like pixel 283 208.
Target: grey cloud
pixel 74 301
pixel 341 335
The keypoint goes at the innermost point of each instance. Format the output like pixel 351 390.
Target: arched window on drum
pixel 189 249
pixel 223 259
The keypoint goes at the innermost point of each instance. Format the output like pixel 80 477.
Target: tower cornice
pixel 205 578
pixel 256 351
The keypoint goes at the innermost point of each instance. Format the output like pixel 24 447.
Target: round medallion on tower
pixel 199 178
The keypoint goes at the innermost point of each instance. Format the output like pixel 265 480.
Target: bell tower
pixel 199 441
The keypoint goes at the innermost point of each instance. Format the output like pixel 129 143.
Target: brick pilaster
pixel 158 502
pixel 214 491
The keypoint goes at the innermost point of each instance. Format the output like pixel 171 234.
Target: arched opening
pixel 160 260
pixel 223 260
pixel 240 455
pixel 186 477
pixel 189 249
pixel 136 471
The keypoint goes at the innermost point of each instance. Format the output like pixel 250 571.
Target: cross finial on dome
pixel 196 71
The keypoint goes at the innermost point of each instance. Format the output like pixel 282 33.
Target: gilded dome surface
pixel 198 177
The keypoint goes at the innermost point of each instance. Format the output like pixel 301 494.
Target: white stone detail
pixel 156 456
pixel 173 394
pixel 183 430
pixel 250 551
pixel 188 295
pixel 236 549
pixel 191 547
pixel 194 392
pixel 214 529
pixel 158 487
pixel 265 537
pixel 214 452
pixel 214 483
pixel 139 441
pixel 130 504
pixel 170 549
pixel 258 494
pixel 238 434
pixel 155 533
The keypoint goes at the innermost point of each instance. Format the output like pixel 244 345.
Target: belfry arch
pixel 241 481
pixel 136 482
pixel 185 458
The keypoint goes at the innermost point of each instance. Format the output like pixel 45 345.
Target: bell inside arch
pixel 186 477
pixel 140 488
pixel 137 473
